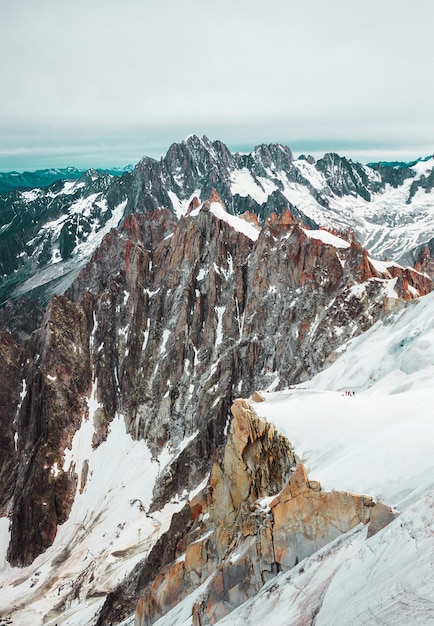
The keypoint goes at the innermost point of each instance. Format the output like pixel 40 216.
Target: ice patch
pixel 166 335
pixel 180 207
pixel 390 288
pixel 379 267
pixel 237 223
pixel 243 184
pixel 327 238
pixel 30 195
pixel 201 274
pixel 146 334
pixel 151 293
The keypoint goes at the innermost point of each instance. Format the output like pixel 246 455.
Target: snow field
pixel 107 533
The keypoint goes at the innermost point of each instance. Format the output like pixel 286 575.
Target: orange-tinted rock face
pixel 410 283
pixel 139 619
pixel 254 465
pixel 425 261
pixel 171 320
pixel 214 197
pixel 282 218
pixel 252 218
pixel 305 519
pixel 243 543
pixel 194 204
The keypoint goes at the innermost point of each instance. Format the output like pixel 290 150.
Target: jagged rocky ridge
pixel 47 235
pixel 165 326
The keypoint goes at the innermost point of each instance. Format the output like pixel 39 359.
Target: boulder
pixel 381 516
pixel 257 397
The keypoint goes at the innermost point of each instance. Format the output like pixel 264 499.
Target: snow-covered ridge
pixel 389 209
pixel 379 441
pixel 327 238
pixel 237 223
pixel 366 439
pixel 389 218
pixel 356 443
pixel 244 184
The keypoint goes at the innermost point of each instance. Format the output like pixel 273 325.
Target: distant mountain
pixel 399 164
pixel 48 233
pixel 46 177
pixel 39 178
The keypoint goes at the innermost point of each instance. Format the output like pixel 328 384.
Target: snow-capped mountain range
pixel 220 409
pixel 47 234
pixel 46 177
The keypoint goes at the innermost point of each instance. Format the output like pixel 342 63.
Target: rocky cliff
pixel 258 515
pixel 167 323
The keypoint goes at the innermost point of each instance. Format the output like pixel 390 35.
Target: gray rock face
pixel 343 177
pixel 21 318
pixel 425 182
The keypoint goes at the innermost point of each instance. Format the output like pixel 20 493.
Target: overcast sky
pixel 104 82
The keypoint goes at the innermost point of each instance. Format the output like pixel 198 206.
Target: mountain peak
pixel 214 197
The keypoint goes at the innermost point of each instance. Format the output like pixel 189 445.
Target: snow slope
pixel 379 442
pixel 69 268
pixel 237 223
pixel 357 443
pixel 107 533
pixel 390 220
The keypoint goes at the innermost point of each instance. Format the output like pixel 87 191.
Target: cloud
pixel 104 74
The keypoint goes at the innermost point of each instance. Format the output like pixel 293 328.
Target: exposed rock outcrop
pixel 10 376
pixel 306 518
pixel 172 318
pixel 425 259
pixel 255 463
pixel 240 537
pixel 62 224
pixel 52 402
pixel 21 318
